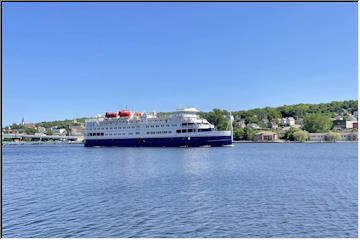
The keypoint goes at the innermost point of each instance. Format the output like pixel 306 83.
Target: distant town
pixel 325 122
pixel 55 131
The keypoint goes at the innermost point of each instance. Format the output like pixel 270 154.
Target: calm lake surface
pixel 249 190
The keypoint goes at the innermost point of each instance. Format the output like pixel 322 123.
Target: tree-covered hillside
pixel 298 111
pixel 316 116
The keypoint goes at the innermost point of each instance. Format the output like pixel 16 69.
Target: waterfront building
pixel 41 129
pixel 350 124
pixel 339 124
pixel 283 121
pixel 344 136
pixel 266 136
pixel 348 136
pixel 59 131
pixel 77 131
pixel 27 125
pixel 317 137
pixel 338 117
pixel 290 121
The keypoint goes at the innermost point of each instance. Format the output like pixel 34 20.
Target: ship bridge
pixel 187 110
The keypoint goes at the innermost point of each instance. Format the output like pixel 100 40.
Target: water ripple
pixel 250 190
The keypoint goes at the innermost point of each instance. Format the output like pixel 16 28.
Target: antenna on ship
pixel 231 119
pixel 231 126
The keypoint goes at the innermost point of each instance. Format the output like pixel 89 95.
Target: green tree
pixel 316 122
pixel 285 111
pixel 249 134
pixel 217 117
pixel 299 110
pixel 289 135
pixel 239 133
pixel 30 131
pixel 251 119
pixel 16 126
pixel 333 137
pixel 48 132
pixel 273 115
pixel 300 136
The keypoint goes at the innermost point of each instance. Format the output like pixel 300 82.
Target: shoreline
pixel 291 142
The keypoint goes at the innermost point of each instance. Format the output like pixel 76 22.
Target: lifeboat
pixel 111 114
pixel 137 114
pixel 124 113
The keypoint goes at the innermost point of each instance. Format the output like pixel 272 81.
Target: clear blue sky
pixel 67 60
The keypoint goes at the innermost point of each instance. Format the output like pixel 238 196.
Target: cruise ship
pixel 182 128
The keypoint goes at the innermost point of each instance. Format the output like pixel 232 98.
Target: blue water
pixel 249 190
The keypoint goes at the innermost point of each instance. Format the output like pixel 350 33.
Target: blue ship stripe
pixel 161 142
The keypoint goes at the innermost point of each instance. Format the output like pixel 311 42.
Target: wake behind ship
pixel 183 128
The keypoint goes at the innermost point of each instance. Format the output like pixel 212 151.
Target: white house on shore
pixel 59 131
pixel 289 121
pixel 41 129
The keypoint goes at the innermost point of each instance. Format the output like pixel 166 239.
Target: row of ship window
pixel 193 130
pixel 114 134
pixel 112 128
pixel 167 125
pixel 158 132
pixel 110 134
pixel 152 126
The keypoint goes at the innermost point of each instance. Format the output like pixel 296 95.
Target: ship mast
pixel 231 126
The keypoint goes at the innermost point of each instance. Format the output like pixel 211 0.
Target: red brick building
pixel 266 136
